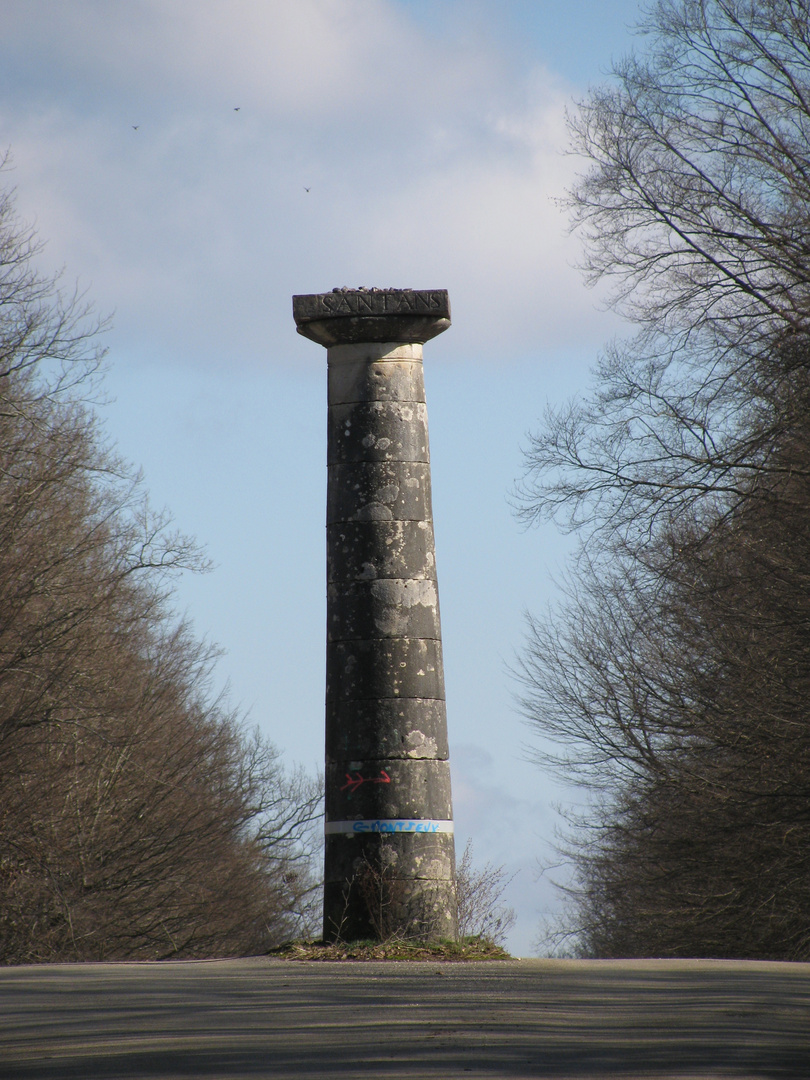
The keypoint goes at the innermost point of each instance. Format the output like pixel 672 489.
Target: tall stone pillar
pixel 389 864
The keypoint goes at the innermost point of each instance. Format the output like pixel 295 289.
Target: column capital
pixel 351 316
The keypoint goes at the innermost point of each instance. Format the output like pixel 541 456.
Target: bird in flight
pixel 236 108
pixel 135 127
pixel 307 189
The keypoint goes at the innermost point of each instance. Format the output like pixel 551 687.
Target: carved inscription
pixel 348 302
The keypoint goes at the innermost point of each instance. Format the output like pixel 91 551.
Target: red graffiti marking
pixel 352 785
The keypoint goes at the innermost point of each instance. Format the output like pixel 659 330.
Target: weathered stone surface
pixel 386 728
pixel 386 732
pixel 419 856
pixel 384 668
pixel 389 607
pixel 367 550
pixel 389 380
pixel 394 788
pixel 377 431
pixel 379 491
pixel 378 885
pixel 347 316
pixel 370 352
pixel 423 909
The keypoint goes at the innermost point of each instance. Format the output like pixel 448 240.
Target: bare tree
pixel 694 209
pixel 673 677
pixel 137 818
pixel 285 820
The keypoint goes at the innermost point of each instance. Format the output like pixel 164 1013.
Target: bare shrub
pixel 481 912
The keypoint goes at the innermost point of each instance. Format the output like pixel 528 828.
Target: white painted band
pixel 389 825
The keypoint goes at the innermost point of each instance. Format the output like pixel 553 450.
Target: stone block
pixel 369 550
pixel 377 431
pixel 389 380
pixel 372 910
pixel 387 607
pixel 379 491
pixel 391 789
pixel 349 316
pixel 372 352
pixel 385 668
pixel 420 856
pixel 386 728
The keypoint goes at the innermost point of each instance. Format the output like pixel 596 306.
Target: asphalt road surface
pixel 273 1018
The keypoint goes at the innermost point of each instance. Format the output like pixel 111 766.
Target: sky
pixel 193 164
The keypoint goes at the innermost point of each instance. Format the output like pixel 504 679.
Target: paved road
pixel 533 1018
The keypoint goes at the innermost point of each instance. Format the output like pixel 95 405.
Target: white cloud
pixel 430 163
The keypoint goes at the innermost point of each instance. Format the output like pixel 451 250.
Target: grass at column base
pixel 472 948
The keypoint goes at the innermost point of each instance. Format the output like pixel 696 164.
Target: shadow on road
pixel 271 1018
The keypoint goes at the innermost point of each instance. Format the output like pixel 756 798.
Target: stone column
pixel 389 865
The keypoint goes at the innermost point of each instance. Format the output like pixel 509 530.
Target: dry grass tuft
pixel 471 948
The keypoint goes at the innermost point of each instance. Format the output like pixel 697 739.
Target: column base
pixel 380 887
